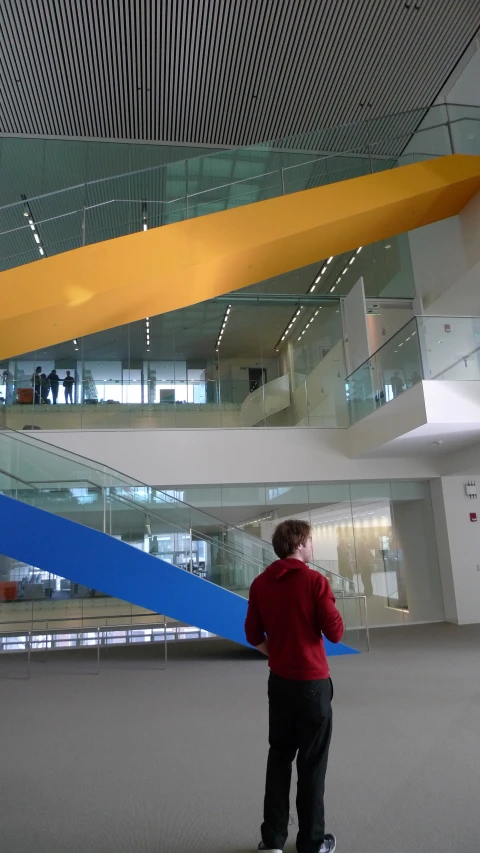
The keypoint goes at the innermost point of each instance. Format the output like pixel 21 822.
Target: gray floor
pixel 139 759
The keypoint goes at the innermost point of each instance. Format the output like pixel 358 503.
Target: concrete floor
pixel 140 759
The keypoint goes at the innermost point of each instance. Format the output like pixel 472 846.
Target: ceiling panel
pixel 213 72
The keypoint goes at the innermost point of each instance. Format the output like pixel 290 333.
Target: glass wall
pixel 230 362
pixel 427 347
pixel 91 209
pixel 379 534
pixel 49 165
pixel 385 267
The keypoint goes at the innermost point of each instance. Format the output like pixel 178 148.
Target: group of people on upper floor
pixel 44 385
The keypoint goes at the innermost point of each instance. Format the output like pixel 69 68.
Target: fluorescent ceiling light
pixel 330 260
pixel 359 250
pixel 224 324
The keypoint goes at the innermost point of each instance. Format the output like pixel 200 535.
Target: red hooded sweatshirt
pixel 293 605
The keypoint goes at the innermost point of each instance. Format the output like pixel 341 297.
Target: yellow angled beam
pixel 118 281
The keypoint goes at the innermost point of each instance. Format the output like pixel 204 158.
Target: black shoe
pixel 261 846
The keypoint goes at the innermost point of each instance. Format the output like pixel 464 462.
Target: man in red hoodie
pixel 290 608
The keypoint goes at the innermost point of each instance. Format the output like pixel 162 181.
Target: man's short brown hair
pixel 289 535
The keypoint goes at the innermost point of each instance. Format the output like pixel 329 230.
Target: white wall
pixel 354 314
pixel 324 404
pixel 258 455
pixel 384 324
pixel 446 263
pixel 416 539
pixel 446 255
pixel 458 548
pixel 461 461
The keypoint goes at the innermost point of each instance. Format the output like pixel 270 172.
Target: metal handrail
pixel 147 625
pixel 79 619
pixel 264 146
pixel 367 361
pixel 48 448
pixel 99 630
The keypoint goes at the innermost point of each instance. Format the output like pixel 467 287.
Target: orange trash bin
pixel 25 395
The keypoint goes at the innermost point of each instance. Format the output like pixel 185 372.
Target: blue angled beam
pixel 96 560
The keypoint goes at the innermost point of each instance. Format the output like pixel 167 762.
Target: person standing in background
pixel 68 384
pixel 44 388
pixel 54 381
pixel 397 384
pixel 37 384
pixel 290 608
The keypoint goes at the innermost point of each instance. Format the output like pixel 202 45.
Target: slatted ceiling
pixel 213 72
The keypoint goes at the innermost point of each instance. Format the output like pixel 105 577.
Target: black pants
pixel 300 718
pixel 54 393
pixel 68 395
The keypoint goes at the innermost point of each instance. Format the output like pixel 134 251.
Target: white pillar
pixel 458 541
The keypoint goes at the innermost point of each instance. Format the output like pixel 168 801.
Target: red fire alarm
pixel 473 516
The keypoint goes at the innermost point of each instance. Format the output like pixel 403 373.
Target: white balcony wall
pixel 176 457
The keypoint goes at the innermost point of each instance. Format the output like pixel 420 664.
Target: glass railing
pixel 450 347
pixel 131 392
pixel 427 347
pixel 155 521
pixel 100 210
pixel 151 405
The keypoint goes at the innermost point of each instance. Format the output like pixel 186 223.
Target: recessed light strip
pixel 36 236
pixel 147 332
pixel 224 325
pixel 289 327
pixel 309 323
pixel 351 261
pixel 322 271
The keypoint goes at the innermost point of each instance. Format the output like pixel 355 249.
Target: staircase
pixel 75 519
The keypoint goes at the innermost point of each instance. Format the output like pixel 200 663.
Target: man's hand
pixel 263 648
